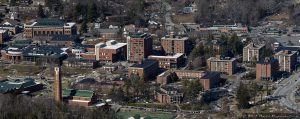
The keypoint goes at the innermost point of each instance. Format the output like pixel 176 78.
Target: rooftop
pixel 210 74
pixel 144 64
pixel 286 52
pixel 290 48
pixel 255 46
pixel 64 37
pixel 177 55
pixel 2 31
pixel 174 38
pixel 48 22
pixel 267 61
pixel 11 85
pixel 43 50
pixel 78 93
pixel 218 58
pixel 112 44
pixel 139 35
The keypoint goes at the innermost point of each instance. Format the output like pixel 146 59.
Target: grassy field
pixel 126 115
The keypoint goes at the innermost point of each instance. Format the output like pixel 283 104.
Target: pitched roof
pixel 78 93
pixel 49 22
pixel 10 85
pixel 64 37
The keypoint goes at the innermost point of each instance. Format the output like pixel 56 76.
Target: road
pixel 286 90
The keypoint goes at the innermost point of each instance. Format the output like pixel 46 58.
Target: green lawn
pixel 126 115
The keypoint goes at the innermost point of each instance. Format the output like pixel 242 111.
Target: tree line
pixel 244 11
pixel 25 107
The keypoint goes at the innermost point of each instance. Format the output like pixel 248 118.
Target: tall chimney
pixel 57 84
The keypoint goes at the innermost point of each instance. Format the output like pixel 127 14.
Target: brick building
pixel 79 97
pixel 3 36
pixel 168 62
pixel 172 45
pixel 145 70
pixel 139 47
pixel 189 74
pixel 210 80
pixel 49 27
pixel 207 79
pixel 168 94
pixel 64 40
pixel 110 51
pixel 267 69
pixel 253 52
pixel 287 60
pixel 165 77
pixel 225 65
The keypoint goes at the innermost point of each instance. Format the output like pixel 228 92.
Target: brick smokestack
pixel 57 84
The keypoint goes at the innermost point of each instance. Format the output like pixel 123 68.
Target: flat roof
pixel 210 74
pixel 256 46
pixel 174 38
pixel 222 59
pixel 144 64
pixel 2 30
pixel 177 55
pixel 286 52
pixel 112 44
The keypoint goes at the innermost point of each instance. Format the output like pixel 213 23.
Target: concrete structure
pixel 225 65
pixel 169 62
pixel 110 51
pixel 267 69
pixel 145 70
pixel 173 45
pixel 139 47
pixel 287 60
pixel 253 52
pixel 57 85
pixel 168 94
pixel 49 27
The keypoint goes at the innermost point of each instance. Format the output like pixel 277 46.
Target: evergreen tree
pixel 243 96
pixel 92 11
pixel 83 27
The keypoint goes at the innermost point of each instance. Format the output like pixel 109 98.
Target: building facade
pixel 225 65
pixel 3 36
pixel 139 47
pixel 253 52
pixel 110 51
pixel 49 27
pixel 287 60
pixel 145 70
pixel 169 62
pixel 168 95
pixel 267 69
pixel 79 97
pixel 173 45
